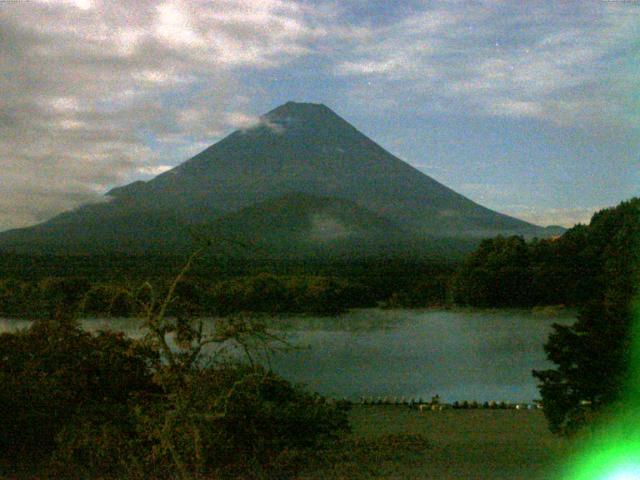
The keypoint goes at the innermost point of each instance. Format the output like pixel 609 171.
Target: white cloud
pixel 86 83
pixel 154 170
pixel 543 60
pixel 81 4
pixel 325 228
pixel 515 108
pixel 65 104
pixel 174 27
pixel 244 121
pixel 368 67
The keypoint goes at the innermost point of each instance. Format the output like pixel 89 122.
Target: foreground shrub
pixel 170 405
pixel 53 372
pixel 234 419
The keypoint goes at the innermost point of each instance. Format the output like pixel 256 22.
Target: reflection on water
pixel 485 355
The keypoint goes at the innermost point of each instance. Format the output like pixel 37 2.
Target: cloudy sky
pixel 531 108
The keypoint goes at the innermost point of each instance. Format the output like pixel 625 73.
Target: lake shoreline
pixel 466 354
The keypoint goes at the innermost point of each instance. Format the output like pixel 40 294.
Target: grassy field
pixel 461 444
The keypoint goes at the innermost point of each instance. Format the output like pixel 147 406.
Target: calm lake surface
pixel 473 355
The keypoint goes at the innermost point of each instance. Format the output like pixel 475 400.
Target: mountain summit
pixel 299 152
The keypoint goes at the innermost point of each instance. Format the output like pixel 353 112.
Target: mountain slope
pixel 300 224
pixel 301 147
pixel 297 148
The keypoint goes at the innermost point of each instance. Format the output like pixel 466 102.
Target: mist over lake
pixel 459 354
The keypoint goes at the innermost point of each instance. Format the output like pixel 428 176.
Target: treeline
pixel 263 293
pixel 390 270
pixel 596 269
pixel 511 272
pixel 595 359
pixel 213 291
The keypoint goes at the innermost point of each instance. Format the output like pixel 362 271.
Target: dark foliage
pixel 248 422
pixel 53 372
pixel 267 293
pixel 592 356
pixel 509 272
pixel 496 274
pixel 324 289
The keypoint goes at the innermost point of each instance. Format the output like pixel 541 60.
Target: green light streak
pixel 613 450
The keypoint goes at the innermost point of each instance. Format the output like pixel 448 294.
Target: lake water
pixel 472 355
